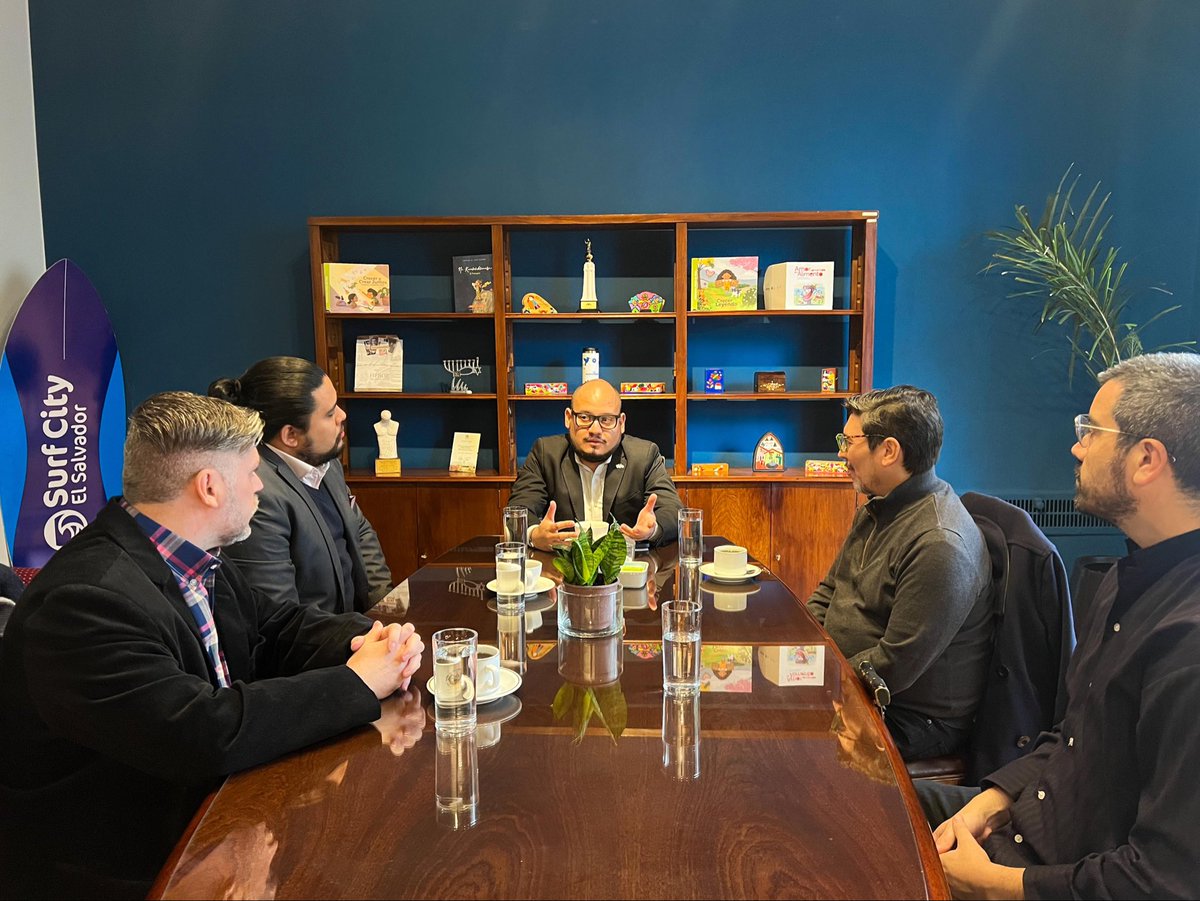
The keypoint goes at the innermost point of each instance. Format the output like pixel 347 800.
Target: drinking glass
pixel 681 735
pixel 681 646
pixel 510 576
pixel 511 632
pixel 457 779
pixel 691 535
pixel 516 524
pixel 454 666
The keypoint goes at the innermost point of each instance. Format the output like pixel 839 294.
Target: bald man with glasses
pixel 594 473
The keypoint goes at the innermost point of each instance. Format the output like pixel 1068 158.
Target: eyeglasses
pixel 1084 428
pixel 608 421
pixel 843 440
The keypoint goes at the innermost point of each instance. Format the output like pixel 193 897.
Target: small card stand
pixel 389 468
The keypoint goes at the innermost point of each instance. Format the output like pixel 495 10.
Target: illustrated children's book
pixel 725 283
pixel 726 667
pixel 473 290
pixel 356 288
pixel 798 286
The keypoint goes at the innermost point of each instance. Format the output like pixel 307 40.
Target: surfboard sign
pixel 62 415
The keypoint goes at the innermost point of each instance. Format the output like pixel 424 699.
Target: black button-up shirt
pixel 1108 804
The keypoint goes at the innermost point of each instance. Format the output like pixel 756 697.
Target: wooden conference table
pixel 799 794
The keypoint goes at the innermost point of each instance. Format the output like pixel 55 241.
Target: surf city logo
pixel 65 426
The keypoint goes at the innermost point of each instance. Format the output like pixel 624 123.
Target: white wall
pixel 22 251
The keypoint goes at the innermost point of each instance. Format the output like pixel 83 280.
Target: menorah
pixel 462 584
pixel 459 368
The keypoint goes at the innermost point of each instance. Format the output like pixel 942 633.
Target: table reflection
pixel 592 669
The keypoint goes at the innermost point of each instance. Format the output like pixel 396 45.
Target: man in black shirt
pixel 1106 804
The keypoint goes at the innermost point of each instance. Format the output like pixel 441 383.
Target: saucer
pixel 542 584
pixel 509 682
pixel 535 604
pixel 501 711
pixel 710 570
pixel 724 589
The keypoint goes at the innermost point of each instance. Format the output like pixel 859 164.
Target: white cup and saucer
pixel 492 681
pixel 730 564
pixel 535 582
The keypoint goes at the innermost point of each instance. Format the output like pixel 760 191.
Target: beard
pixel 234 538
pixel 312 458
pixel 1111 502
pixel 582 451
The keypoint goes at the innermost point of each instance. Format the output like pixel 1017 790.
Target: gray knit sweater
pixel 911 591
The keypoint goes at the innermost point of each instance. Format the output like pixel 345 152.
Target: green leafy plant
pixel 583 701
pixel 592 562
pixel 1063 261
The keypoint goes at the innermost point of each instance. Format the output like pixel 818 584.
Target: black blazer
pixel 112 729
pixel 635 471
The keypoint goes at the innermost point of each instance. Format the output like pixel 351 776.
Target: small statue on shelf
pixel 588 302
pixel 386 431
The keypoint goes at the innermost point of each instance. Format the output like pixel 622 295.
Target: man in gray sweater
pixel 910 590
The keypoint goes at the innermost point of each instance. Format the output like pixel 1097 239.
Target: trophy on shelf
pixel 386 430
pixel 588 302
pixel 459 368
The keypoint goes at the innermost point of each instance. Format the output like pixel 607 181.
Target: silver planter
pixel 588 611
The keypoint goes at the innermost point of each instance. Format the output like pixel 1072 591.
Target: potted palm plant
pixel 589 598
pixel 1063 262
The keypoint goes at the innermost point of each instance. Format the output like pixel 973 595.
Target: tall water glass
pixel 516 524
pixel 687 582
pixel 454 667
pixel 457 779
pixel 681 646
pixel 681 735
pixel 691 535
pixel 511 632
pixel 510 576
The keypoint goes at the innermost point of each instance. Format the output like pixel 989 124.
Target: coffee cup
pixel 489 734
pixel 729 560
pixel 487 669
pixel 598 526
pixel 533 572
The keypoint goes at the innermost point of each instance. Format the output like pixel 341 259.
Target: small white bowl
pixel 634 575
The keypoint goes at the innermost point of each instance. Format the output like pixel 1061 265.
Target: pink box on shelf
pixel 545 388
pixel 825 468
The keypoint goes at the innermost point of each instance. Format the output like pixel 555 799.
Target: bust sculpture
pixel 386 431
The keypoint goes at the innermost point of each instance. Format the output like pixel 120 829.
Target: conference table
pixel 777 780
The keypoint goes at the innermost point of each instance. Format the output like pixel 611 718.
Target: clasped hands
pixel 549 534
pixel 386 657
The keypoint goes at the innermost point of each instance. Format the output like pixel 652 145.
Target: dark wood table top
pixel 800 792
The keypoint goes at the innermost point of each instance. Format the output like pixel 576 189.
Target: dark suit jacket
pixel 1026 690
pixel 290 552
pixel 636 471
pixel 112 729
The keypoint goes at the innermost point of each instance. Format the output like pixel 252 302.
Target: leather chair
pixel 1025 692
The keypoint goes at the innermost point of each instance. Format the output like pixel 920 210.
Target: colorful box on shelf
pixel 825 468
pixel 643 387
pixel 829 379
pixel 545 388
pixel 710 470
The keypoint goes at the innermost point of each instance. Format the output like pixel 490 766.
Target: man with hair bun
pixel 309 542
pixel 140 668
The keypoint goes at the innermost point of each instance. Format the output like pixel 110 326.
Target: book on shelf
pixel 724 283
pixel 473 289
pixel 379 363
pixel 464 455
pixel 356 288
pixel 798 286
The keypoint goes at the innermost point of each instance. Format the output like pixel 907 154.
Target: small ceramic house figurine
pixel 768 454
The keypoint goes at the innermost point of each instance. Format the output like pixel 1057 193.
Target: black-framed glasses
pixel 844 441
pixel 608 421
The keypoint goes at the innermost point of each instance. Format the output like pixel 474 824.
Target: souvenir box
pixel 710 469
pixel 643 387
pixel 825 468
pixel 544 388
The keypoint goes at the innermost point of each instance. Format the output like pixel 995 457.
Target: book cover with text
pixel 357 288
pixel 473 289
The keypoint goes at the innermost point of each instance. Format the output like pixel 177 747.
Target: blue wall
pixel 183 144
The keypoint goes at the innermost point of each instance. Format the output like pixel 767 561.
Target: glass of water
pixel 691 535
pixel 516 524
pixel 454 667
pixel 681 646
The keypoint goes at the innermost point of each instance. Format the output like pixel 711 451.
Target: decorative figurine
pixel 714 381
pixel 386 430
pixel 535 303
pixel 768 454
pixel 646 302
pixel 588 302
pixel 459 368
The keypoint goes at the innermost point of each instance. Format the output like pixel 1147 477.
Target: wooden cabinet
pixel 796 528
pixel 427 509
pixel 418 523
